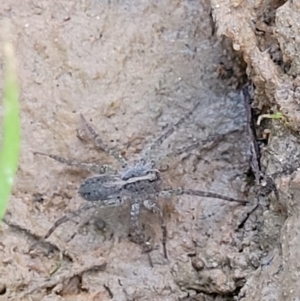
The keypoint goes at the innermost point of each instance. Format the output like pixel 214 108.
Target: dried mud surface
pixel 132 69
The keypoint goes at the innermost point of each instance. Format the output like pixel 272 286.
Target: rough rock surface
pixel 267 34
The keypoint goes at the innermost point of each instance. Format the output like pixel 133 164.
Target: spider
pixel 139 182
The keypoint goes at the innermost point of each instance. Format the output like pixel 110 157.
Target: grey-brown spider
pixel 139 182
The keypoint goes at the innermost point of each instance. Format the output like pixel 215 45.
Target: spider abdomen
pixel 100 188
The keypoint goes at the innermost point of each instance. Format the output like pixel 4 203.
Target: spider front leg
pixel 157 142
pixel 135 232
pixel 207 194
pixel 203 143
pixel 152 206
pixel 99 169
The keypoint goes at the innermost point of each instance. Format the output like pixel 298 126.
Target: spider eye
pixel 163 168
pixel 155 176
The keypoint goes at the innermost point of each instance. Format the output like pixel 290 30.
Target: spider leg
pixel 99 169
pixel 99 143
pixel 68 217
pixel 86 207
pixel 150 205
pixel 214 139
pixel 156 143
pixel 180 191
pixel 136 233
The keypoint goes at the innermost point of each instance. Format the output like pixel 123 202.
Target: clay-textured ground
pixel 132 69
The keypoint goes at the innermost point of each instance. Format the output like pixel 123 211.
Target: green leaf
pixel 9 155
